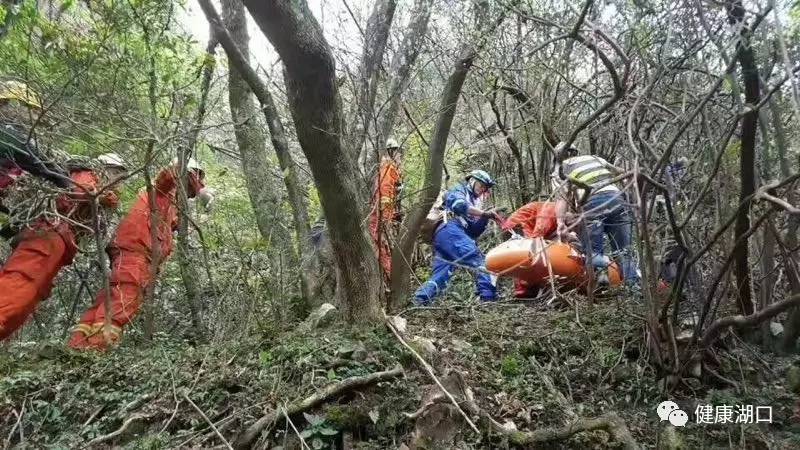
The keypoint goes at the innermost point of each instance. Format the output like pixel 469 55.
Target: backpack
pixel 435 217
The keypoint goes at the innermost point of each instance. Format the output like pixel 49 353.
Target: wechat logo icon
pixel 670 411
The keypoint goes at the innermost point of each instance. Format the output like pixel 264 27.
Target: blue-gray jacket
pixel 457 202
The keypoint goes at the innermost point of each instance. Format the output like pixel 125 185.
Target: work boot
pixel 80 333
pixel 601 275
pixel 95 337
pixel 418 302
pixel 634 291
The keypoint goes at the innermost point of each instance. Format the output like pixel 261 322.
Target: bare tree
pixel 189 272
pixel 747 165
pixel 312 91
pixel 375 37
pixel 280 142
pixel 402 63
pixel 265 198
pixel 401 253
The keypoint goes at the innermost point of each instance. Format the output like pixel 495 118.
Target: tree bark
pixel 401 254
pixel 792 326
pixel 749 129
pixel 375 37
pixel 313 97
pixel 250 137
pixel 280 143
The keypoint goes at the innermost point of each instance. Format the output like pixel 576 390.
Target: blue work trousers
pixel 608 215
pixel 451 244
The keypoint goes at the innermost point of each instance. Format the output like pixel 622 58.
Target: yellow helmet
pixel 15 90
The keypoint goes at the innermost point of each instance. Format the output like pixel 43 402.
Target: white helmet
pixel 192 164
pixel 392 143
pixel 112 160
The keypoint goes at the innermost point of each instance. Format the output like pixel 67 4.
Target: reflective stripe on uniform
pixel 113 331
pixel 591 176
pixel 588 169
pixel 458 202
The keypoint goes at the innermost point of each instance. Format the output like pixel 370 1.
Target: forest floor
pixel 537 366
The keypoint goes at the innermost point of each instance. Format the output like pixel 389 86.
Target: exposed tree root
pixel 246 439
pixel 609 422
pixel 767 313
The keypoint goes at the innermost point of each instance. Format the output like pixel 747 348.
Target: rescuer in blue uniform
pixel 454 241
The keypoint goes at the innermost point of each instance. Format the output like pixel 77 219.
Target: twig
pixel 197 408
pixel 14 428
pixel 291 424
pixel 716 375
pixel 621 354
pixel 246 439
pixel 431 373
pixel 92 417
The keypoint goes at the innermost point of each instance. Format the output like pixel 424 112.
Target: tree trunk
pixel 264 193
pixel 376 35
pixel 250 137
pixel 280 143
pixel 313 96
pixel 402 63
pixel 401 253
pixel 792 327
pixel 189 273
pixel 747 157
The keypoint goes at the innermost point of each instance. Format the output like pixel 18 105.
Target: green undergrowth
pixel 533 365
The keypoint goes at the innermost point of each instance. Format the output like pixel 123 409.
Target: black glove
pixel 490 214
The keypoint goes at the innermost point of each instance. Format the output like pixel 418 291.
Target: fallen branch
pixel 246 439
pixel 432 374
pixel 120 430
pixel 739 321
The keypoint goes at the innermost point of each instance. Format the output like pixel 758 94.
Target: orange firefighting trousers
pixel 130 277
pixel 27 277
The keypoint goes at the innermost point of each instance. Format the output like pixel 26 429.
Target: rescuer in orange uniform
pixel 50 244
pixel 536 219
pixel 386 204
pixel 132 253
pixel 20 109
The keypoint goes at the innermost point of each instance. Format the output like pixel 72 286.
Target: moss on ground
pixel 525 364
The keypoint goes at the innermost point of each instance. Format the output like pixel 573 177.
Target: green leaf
pixel 317 444
pixel 325 431
pixel 265 358
pixel 313 419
